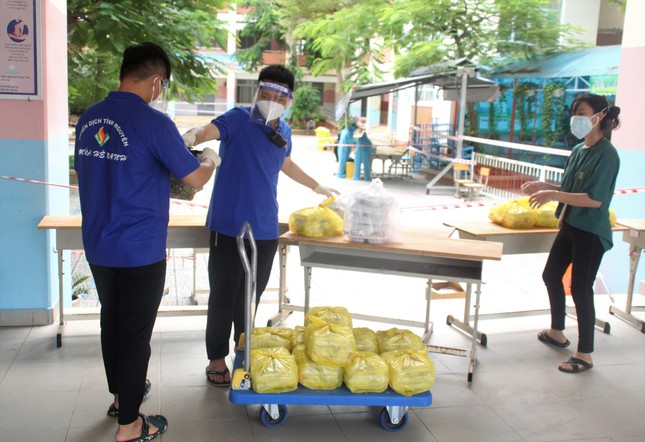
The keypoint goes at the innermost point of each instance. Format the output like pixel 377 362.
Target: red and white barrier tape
pixel 187 203
pixel 25 180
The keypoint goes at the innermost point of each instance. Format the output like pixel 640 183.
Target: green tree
pixel 99 32
pixel 263 27
pixel 344 38
pixel 306 103
pixel 426 32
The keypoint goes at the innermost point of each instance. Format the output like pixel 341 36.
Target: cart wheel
pixel 269 422
pixel 449 319
pixel 387 424
pixel 484 340
pixel 59 340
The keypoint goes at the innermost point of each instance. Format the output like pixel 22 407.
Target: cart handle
pixel 250 279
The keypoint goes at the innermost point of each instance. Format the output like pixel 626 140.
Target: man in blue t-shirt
pixel 124 155
pixel 255 146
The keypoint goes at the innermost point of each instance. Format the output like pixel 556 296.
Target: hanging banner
pixel 20 66
pixel 341 106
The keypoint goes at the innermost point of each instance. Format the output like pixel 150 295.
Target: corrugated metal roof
pixel 599 60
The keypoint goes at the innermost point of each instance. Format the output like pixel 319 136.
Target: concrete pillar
pixel 34 145
pixel 583 13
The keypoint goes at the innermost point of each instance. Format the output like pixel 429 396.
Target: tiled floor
pixel 517 394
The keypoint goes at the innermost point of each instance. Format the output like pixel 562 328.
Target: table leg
pixel 627 316
pixel 473 350
pixel 428 326
pixel 464 325
pixel 61 299
pixel 283 302
pixel 307 287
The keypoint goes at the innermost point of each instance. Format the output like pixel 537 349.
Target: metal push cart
pixel 393 416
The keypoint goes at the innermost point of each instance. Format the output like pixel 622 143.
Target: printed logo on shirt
pixel 101 137
pixel 581 176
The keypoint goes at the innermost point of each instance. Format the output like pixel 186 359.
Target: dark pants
pixel 227 287
pixel 584 251
pixel 130 298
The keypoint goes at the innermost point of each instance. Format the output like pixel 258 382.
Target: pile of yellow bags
pixel 328 352
pixel 518 214
pixel 316 221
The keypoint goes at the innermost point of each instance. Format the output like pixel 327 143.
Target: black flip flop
pixel 577 365
pixel 543 336
pixel 114 412
pixel 223 374
pixel 158 421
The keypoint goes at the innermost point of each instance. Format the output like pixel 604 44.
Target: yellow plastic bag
pixel 367 372
pixel 411 372
pixel 329 344
pixel 612 218
pixel 398 339
pixel 314 375
pixel 298 336
pixel 268 337
pixel 331 315
pixel 273 370
pixel 546 215
pixel 316 221
pixel 365 340
pixel 519 215
pixel 496 213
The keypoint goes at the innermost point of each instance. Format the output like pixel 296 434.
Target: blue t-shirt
pixel 246 183
pixel 124 155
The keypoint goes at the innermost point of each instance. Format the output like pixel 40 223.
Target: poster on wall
pixel 20 64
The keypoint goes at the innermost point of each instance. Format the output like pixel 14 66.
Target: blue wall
pixel 28 265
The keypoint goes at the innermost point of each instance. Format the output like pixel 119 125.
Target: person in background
pixel 585 232
pixel 346 142
pixel 125 152
pixel 363 153
pixel 255 146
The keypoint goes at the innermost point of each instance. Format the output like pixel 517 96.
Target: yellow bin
pixel 323 137
pixel 349 174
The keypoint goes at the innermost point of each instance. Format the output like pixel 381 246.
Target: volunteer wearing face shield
pixel 255 146
pixel 124 154
pixel 585 233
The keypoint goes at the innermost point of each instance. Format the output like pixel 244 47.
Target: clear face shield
pixel 270 102
pixel 162 87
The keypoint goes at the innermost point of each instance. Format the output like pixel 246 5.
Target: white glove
pixel 327 191
pixel 210 154
pixel 189 139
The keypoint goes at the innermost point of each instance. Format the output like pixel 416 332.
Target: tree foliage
pixel 99 32
pixel 264 27
pixel 306 103
pixel 426 32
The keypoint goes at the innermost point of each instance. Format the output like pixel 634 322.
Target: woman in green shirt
pixel 585 233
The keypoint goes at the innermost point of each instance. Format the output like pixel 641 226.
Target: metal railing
pixel 507 175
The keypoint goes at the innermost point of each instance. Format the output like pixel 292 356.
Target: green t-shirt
pixel 593 171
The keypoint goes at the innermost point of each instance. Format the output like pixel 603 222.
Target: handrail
pixel 250 270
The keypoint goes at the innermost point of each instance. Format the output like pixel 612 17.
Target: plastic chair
pixel 459 169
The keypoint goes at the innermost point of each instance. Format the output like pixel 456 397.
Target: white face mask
pixel 581 125
pixel 270 109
